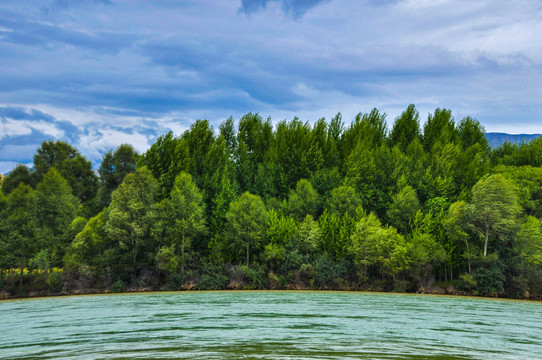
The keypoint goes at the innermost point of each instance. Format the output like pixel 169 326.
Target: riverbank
pixel 435 290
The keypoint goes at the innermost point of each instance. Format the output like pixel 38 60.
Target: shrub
pixel 118 286
pixel 54 281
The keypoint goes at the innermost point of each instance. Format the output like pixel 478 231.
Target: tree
pixel 309 234
pixel 440 127
pixel 246 223
pixel 166 158
pixel 303 200
pixel 494 208
pixel 455 225
pixel 471 132
pixel 130 213
pixel 406 128
pixel 375 245
pixel 343 200
pixel 402 210
pixel 19 226
pixel 74 167
pixel 114 167
pixel 56 209
pixel 184 215
pixel 92 240
pixel 19 175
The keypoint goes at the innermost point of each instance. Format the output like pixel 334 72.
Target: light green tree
pixel 309 235
pixel 455 223
pixel 343 200
pixel 303 200
pixel 375 245
pixel 494 208
pixel 402 210
pixel 184 215
pixel 56 209
pixel 245 226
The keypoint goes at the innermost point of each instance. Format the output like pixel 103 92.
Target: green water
pixel 269 325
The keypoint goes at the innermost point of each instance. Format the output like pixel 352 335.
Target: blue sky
pixel 98 73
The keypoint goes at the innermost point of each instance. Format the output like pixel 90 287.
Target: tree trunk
pixel 468 254
pixel 134 255
pixel 487 238
pixel 248 247
pixel 21 273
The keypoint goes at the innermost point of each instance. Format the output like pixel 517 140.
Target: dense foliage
pixel 290 205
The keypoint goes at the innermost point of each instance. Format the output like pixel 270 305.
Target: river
pixel 269 325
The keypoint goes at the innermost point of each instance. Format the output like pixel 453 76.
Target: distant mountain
pixel 497 139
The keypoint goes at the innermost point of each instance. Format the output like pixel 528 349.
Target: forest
pixel 257 204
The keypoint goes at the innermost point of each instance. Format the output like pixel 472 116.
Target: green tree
pixel 166 158
pixel 439 128
pixel 343 200
pixel 245 226
pixel 455 225
pixel 309 234
pixel 303 200
pixel 184 215
pixel 19 175
pixel 114 167
pixel 403 208
pixel 406 128
pixel 375 245
pixel 131 212
pixel 56 209
pixel 19 226
pixel 528 243
pixel 494 208
pixel 74 167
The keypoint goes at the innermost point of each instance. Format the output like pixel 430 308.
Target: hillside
pixel 496 139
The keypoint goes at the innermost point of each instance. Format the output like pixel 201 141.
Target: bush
pixel 329 274
pixel 212 282
pixel 118 286
pixel 54 281
pixel 255 277
pixel 490 277
pixel 175 282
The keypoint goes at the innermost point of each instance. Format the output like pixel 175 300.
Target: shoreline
pixel 135 291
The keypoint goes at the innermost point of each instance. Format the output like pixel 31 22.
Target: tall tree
pixel 74 167
pixel 184 215
pixel 56 209
pixel 439 128
pixel 114 167
pixel 494 208
pixel 406 128
pixel 19 175
pixel 246 223
pixel 303 200
pixel 19 227
pixel 131 212
pixel 403 208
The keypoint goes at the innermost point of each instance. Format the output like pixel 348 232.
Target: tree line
pixel 291 205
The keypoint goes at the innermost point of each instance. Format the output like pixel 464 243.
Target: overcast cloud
pixel 99 73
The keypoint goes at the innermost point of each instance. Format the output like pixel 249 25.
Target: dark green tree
pixel 406 128
pixel 114 167
pixel 19 175
pixel 74 167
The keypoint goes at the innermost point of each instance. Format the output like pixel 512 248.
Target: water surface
pixel 269 325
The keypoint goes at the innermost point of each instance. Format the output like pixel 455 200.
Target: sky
pixel 99 73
